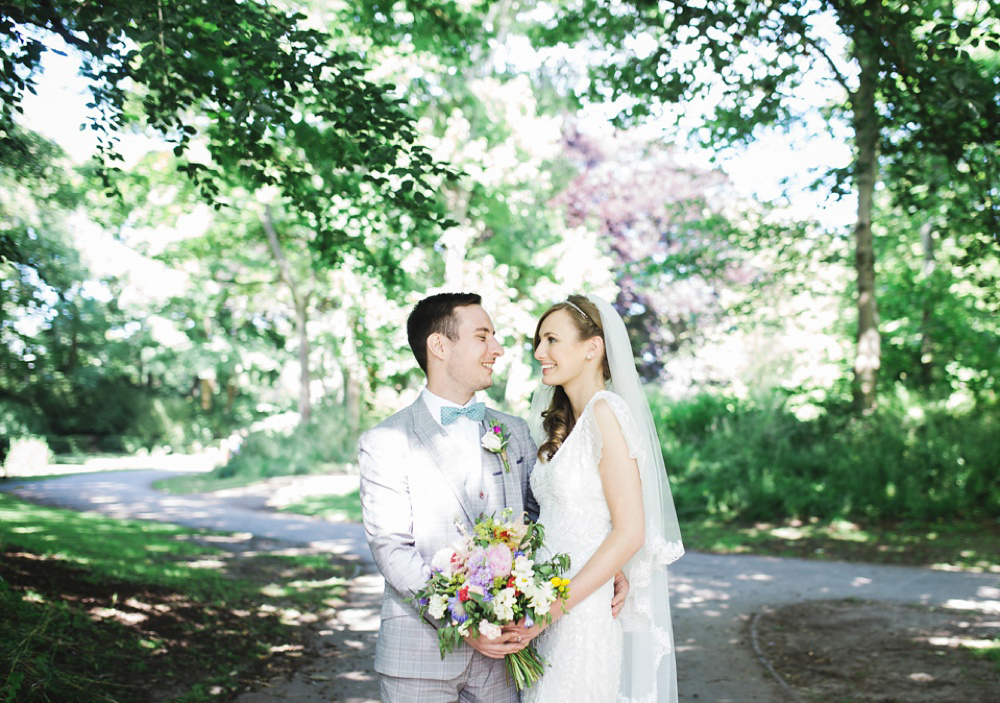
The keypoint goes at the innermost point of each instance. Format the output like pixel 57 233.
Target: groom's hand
pixel 621 590
pixel 495 649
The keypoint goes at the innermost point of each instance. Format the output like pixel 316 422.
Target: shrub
pixel 756 460
pixel 324 445
pixel 26 455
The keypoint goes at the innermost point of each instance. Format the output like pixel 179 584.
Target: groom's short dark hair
pixel 435 314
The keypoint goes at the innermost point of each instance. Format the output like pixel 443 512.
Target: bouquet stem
pixel 524 667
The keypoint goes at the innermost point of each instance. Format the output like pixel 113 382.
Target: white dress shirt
pixel 465 435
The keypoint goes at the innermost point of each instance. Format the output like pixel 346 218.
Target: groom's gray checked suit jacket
pixel 413 489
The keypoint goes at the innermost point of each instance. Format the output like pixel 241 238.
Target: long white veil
pixel 649 673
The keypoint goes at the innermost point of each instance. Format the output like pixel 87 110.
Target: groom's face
pixel 469 359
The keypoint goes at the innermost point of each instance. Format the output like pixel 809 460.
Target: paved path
pixel 129 494
pixel 714 597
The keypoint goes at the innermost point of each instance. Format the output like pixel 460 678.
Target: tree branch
pixel 838 76
pixel 284 267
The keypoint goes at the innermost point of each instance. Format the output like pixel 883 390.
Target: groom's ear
pixel 436 346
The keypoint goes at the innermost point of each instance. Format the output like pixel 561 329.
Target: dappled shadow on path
pixel 867 652
pixel 343 653
pixel 713 598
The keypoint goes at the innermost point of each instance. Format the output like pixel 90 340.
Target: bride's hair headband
pixel 582 312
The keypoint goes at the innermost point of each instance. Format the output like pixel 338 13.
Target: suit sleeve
pixel 387 513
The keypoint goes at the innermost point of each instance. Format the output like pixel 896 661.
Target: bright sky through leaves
pixel 59 108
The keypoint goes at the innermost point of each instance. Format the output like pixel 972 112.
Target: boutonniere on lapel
pixel 495 441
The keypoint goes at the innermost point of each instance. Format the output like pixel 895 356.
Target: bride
pixel 605 501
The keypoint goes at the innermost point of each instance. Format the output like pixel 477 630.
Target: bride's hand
pixel 621 590
pixel 522 635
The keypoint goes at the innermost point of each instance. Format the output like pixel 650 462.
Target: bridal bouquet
pixel 490 578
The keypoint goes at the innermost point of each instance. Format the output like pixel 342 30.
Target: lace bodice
pixel 568 488
pixel 584 648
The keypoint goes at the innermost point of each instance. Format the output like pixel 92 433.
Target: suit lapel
pixel 433 439
pixel 511 480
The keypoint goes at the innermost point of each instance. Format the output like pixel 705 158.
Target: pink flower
pixel 499 558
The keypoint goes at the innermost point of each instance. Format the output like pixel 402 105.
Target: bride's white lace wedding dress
pixel 592 657
pixel 583 649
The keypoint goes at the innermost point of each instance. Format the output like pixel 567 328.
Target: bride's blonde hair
pixel 558 420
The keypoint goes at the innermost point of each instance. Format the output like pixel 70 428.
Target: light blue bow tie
pixel 476 411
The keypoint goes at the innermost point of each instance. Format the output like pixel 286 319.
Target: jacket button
pixel 482 495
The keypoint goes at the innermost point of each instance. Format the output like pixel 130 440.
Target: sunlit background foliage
pixel 272 193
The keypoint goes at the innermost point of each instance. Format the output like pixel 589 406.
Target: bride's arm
pixel 623 493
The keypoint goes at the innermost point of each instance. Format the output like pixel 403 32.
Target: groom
pixel 423 470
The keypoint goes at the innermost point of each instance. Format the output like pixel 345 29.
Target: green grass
pixel 991 652
pixel 336 508
pixel 96 609
pixel 966 546
pixel 202 483
pixel 153 552
pixel 340 508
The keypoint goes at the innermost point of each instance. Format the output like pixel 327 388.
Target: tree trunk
pixel 74 344
pixel 301 328
pixel 926 336
pixel 205 391
pixel 868 356
pixel 300 299
pixel 352 399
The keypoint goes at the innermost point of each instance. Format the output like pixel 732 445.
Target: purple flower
pixel 457 610
pixel 483 579
pixel 478 569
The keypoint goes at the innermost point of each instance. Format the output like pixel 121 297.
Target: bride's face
pixel 560 351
